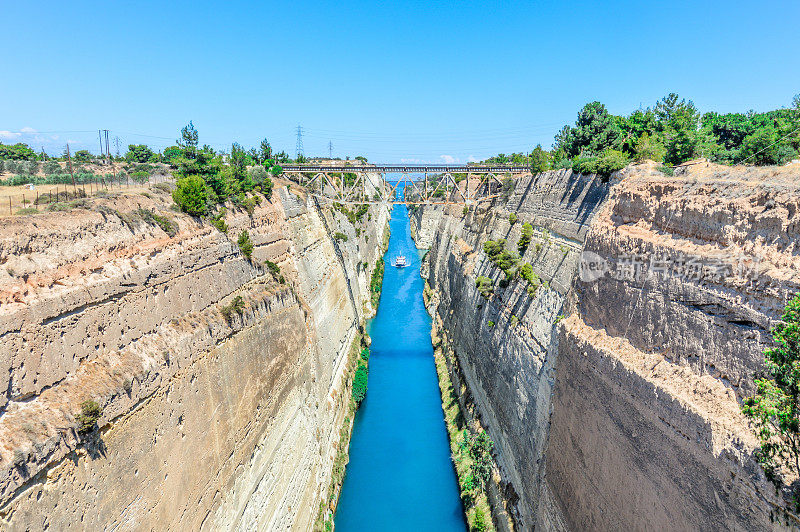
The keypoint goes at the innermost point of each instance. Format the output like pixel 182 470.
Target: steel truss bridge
pixel 435 184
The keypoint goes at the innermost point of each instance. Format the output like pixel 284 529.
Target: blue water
pixel 400 476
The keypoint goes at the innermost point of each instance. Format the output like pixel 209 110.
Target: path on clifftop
pixel 400 476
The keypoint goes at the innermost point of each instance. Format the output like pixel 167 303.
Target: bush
pixel 340 236
pixel 666 170
pixel 773 409
pixel 480 523
pixel 610 161
pixel 484 285
pixel 167 224
pixel 584 165
pixel 512 218
pixel 648 147
pixel 481 453
pixel 234 307
pixel 360 383
pixel 191 195
pixel 245 244
pixel 273 268
pixel 27 210
pixel 218 221
pixel 257 174
pixel 525 238
pixel 87 419
pixel 377 282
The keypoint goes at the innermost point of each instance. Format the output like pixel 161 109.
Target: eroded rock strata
pixel 209 421
pixel 612 393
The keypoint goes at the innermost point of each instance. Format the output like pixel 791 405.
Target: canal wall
pixel 215 414
pixel 613 396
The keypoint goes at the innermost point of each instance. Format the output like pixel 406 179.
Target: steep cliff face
pixel 209 420
pixel 612 392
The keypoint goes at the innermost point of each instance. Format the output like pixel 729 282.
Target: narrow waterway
pixel 400 476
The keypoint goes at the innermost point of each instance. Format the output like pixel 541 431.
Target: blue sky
pixel 394 81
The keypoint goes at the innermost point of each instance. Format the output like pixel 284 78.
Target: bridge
pixel 435 183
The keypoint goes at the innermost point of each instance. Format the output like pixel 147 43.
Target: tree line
pixel 671 132
pixel 205 179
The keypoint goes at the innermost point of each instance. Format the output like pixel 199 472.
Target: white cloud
pixel 28 130
pixel 8 135
pixel 412 161
pixel 473 159
pixel 448 159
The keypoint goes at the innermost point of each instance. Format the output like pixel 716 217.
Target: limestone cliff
pixel 215 415
pixel 613 395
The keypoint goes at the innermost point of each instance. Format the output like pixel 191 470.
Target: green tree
pixel 760 148
pixel 83 156
pixel 170 155
pixel 649 147
pixel 17 152
pixel 139 153
pixel 191 195
pixel 188 141
pixel 595 131
pixel 245 244
pixel 264 151
pixel 775 408
pixel 525 238
pixel 540 160
pixel 238 163
pixel 610 161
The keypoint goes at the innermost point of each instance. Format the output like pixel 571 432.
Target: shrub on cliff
pixel 376 282
pixel 484 285
pixel 87 419
pixel 481 453
pixel 245 244
pixel 360 383
pixel 525 238
pixel 191 195
pixel 512 218
pixel 775 408
pixel 234 307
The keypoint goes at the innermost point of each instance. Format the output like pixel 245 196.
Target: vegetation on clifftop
pixel 673 131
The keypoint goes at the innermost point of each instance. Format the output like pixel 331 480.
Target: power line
pixel 330 149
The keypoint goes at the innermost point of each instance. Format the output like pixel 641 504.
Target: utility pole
pixel 330 150
pixel 299 146
pixel 69 164
pixel 100 136
pixel 108 151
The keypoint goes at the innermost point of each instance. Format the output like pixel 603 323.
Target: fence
pixel 25 199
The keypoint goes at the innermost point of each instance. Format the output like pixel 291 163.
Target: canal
pixel 400 476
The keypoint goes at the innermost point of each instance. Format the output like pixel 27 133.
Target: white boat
pixel 400 261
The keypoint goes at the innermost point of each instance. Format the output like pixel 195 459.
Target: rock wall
pixel 613 392
pixel 208 421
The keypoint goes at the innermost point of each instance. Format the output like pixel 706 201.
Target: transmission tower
pixel 299 147
pixel 330 150
pixel 116 142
